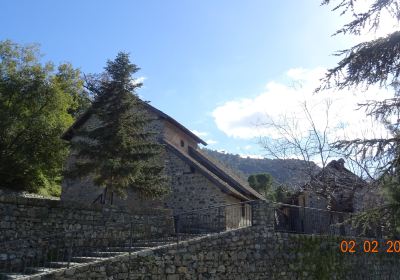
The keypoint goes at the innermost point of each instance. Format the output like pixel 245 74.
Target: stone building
pixel 334 190
pixel 197 181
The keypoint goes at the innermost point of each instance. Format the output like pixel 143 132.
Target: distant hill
pixel 290 172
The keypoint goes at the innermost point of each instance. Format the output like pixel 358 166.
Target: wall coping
pixel 17 199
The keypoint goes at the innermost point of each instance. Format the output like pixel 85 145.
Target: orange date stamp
pixel 370 246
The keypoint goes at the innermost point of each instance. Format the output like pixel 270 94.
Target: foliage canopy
pixel 262 182
pixel 37 104
pixel 365 64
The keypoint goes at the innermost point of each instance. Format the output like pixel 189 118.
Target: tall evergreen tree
pixel 121 152
pixel 365 64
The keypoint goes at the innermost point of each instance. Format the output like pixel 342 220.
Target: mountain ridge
pixel 289 172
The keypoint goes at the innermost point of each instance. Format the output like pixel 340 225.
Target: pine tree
pixel 365 64
pixel 122 151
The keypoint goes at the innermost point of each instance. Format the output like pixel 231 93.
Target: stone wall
pixel 33 220
pixel 244 254
pixel 190 189
pixel 29 217
pixel 250 253
pixel 84 191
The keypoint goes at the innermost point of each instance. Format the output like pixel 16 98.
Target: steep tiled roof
pixel 224 173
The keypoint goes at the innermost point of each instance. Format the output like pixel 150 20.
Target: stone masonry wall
pixel 26 222
pixel 84 191
pixel 190 189
pixel 250 253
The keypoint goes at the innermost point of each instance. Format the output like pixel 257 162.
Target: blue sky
pixel 200 60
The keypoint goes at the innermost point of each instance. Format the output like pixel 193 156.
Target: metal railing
pixel 23 257
pixel 308 220
pixel 214 219
pixel 68 248
pixel 103 197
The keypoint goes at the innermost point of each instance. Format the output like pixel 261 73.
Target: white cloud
pixel 211 142
pixel 251 156
pixel 138 80
pixel 204 134
pixel 242 118
pixel 200 133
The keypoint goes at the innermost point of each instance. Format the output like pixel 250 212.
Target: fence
pixel 286 218
pixel 63 249
pixel 299 219
pixel 214 219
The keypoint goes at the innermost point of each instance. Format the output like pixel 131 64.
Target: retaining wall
pixel 26 223
pixel 250 253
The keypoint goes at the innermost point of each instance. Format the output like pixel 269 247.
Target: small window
pixel 182 143
pixel 192 169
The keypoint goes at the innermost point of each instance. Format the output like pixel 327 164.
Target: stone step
pixel 85 259
pixel 13 275
pixel 150 244
pixel 101 254
pixel 125 249
pixel 28 272
pixel 91 256
pixel 57 264
pixel 186 236
pixel 167 240
pixel 31 271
